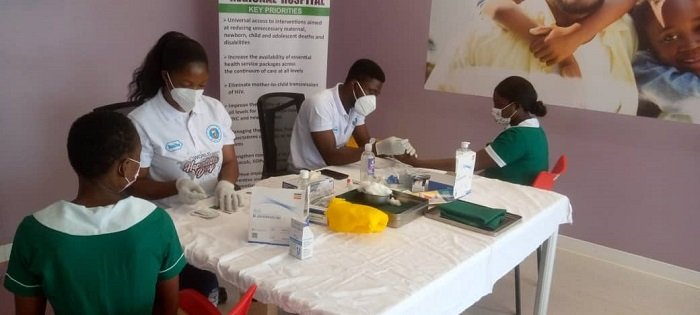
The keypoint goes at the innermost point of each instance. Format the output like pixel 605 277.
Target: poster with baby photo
pixel 643 61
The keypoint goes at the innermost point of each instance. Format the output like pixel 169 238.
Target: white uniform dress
pixel 320 112
pixel 176 144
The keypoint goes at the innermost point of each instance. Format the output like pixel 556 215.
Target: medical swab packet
pixel 205 213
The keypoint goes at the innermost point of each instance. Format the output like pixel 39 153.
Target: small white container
pixel 301 239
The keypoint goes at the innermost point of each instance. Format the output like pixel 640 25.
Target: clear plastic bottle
pixel 367 164
pixel 465 161
pixel 304 179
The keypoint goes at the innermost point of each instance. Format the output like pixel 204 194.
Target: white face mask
pixel 131 181
pixel 365 104
pixel 497 114
pixel 186 98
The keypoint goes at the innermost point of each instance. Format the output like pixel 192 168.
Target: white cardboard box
pixel 271 212
pixel 300 250
pixel 319 187
pixel 301 239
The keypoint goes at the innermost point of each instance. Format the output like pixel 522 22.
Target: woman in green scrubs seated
pixel 102 252
pixel 520 151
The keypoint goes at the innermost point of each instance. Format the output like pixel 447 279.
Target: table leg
pixel 546 269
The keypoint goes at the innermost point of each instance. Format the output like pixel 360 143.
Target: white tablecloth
pixel 425 267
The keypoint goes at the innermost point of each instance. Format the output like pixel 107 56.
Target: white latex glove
pixel 189 191
pixel 410 150
pixel 394 146
pixel 229 200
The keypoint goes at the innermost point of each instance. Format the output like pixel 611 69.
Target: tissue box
pixel 300 239
pixel 319 187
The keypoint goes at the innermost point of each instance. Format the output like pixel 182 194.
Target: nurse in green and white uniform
pixel 102 252
pixel 520 151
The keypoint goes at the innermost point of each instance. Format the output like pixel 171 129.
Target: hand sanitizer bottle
pixel 465 161
pixel 367 164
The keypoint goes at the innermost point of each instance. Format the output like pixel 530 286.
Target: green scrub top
pixel 521 153
pixel 112 273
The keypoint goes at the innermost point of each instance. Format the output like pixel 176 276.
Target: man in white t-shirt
pixel 328 119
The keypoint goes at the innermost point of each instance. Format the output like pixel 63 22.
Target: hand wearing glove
pixel 189 191
pixel 227 196
pixel 410 150
pixel 394 146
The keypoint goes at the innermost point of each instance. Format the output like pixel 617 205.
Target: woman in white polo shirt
pixel 520 151
pixel 188 152
pixel 187 143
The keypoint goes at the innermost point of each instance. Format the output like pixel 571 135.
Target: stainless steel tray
pixel 509 220
pixel 412 207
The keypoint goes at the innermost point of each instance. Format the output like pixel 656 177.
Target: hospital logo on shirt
pixel 214 133
pixel 173 146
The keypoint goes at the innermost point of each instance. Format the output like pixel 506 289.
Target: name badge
pixel 173 146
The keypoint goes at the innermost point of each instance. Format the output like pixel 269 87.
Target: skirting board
pixel 642 264
pixel 5 252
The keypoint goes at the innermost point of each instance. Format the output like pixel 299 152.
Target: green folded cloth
pixel 472 214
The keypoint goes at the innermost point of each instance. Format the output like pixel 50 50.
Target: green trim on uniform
pixel 525 152
pixel 113 273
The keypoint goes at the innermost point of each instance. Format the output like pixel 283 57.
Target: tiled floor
pixel 583 285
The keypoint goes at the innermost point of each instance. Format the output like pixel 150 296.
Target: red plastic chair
pixel 560 167
pixel 244 303
pixel 545 180
pixel 194 303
